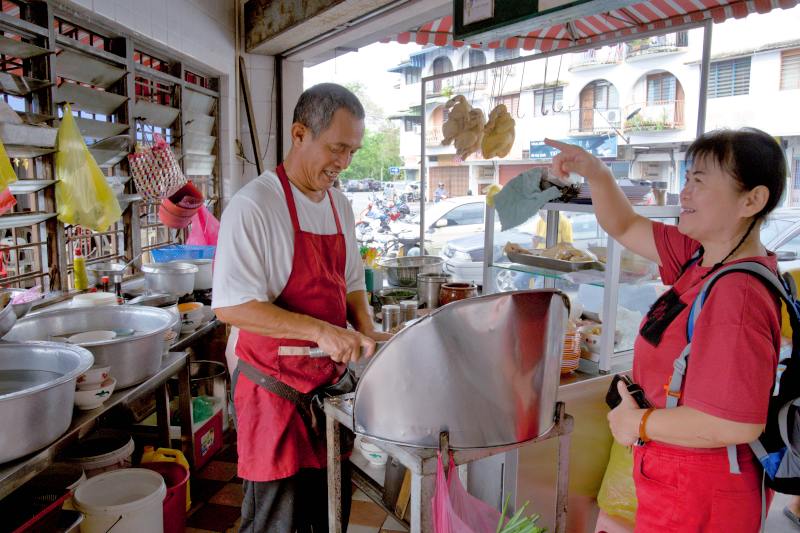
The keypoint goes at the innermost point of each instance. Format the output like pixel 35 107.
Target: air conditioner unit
pixel 612 115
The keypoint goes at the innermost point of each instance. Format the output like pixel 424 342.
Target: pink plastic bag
pixel 455 510
pixel 205 228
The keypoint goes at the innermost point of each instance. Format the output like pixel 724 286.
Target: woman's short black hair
pixel 751 156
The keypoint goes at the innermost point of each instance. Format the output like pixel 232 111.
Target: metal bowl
pixel 170 278
pixel 8 317
pixel 20 310
pixel 133 359
pixel 37 389
pixel 114 271
pixel 403 271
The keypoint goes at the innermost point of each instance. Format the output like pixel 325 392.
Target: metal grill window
pixel 790 69
pixel 729 78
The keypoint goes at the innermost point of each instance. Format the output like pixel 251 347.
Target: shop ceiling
pixel 317 31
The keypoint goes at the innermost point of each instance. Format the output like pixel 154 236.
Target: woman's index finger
pixel 557 144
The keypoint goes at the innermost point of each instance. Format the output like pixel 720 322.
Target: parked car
pixel 352 186
pixel 446 221
pixel 781 234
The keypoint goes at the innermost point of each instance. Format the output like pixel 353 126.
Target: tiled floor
pixel 217 498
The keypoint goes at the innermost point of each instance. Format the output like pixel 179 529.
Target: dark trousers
pixel 298 504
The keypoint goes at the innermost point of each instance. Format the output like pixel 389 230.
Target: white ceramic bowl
pixel 93 398
pixel 192 316
pixel 92 378
pixel 372 453
pixel 90 299
pixel 98 335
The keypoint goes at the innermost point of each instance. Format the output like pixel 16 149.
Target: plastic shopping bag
pixel 7 201
pixel 7 174
pixel 455 510
pixel 83 196
pixel 205 228
pixel 617 496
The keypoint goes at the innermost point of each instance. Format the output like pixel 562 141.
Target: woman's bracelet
pixel 642 430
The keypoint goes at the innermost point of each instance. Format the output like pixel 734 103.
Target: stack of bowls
pixel 571 353
pixel 94 387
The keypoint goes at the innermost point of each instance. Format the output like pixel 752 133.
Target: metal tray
pixel 554 264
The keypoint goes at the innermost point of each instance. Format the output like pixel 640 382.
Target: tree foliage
pixel 379 151
pixel 381 145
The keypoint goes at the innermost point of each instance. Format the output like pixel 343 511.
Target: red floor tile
pixel 214 517
pixel 231 494
pixel 218 471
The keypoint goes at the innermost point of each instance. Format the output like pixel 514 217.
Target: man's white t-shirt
pixel 256 241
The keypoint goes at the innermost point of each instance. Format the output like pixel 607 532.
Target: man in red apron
pixel 291 237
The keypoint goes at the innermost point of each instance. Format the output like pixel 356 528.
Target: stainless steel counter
pixel 15 473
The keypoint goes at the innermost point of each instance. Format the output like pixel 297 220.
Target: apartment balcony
pixel 655 116
pixel 596 58
pixel 661 44
pixel 433 136
pixel 594 121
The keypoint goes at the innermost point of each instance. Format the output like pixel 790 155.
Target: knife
pixel 315 352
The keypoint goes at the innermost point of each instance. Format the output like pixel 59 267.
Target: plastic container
pixel 182 251
pixel 81 278
pixel 102 451
pixel 176 478
pixel 209 378
pixel 168 455
pixel 129 501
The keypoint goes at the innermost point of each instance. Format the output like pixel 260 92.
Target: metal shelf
pixel 197 123
pixel 86 69
pixel 111 150
pixel 21 85
pixel 158 115
pixel 88 99
pixel 23 219
pixel 34 118
pixel 197 103
pixel 27 152
pixel 29 186
pixel 99 129
pixel 28 135
pixel 20 49
pixel 649 211
pixel 197 143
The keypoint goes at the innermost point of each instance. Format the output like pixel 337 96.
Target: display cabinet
pixel 616 291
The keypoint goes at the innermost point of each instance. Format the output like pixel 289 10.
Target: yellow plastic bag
pixel 83 196
pixel 7 174
pixel 617 496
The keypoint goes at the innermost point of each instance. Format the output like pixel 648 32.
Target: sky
pixel 367 66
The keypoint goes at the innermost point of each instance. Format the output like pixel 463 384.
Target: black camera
pixel 613 398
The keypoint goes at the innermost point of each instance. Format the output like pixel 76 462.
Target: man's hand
pixel 344 345
pixel 624 419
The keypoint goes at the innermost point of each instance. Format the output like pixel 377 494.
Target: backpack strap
pixel 774 283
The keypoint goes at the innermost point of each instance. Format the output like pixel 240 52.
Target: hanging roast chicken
pixel 498 135
pixel 464 126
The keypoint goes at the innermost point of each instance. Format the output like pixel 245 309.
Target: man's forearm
pixel 268 319
pixel 358 312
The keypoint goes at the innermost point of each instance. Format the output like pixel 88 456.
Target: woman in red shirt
pixel 682 473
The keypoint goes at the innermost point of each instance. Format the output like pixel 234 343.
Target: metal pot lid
pixel 155 300
pixel 179 267
pixel 484 369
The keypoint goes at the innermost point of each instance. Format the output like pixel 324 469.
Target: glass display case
pixel 616 290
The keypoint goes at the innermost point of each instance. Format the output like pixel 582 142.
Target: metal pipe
pixel 422 162
pixel 705 66
pixel 278 66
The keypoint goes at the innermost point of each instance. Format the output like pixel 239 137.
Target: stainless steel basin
pixel 132 359
pixel 37 390
pixel 171 278
pixel 485 369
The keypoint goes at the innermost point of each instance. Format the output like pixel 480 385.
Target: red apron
pixel 273 442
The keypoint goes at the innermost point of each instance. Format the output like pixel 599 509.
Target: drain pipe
pixel 278 73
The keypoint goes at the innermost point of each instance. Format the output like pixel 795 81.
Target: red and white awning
pixel 614 25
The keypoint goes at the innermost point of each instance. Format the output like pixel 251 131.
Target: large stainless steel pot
pixel 114 271
pixel 171 278
pixel 485 369
pixel 37 390
pixel 168 302
pixel 133 359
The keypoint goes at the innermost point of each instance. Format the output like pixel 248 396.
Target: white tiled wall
pixel 203 30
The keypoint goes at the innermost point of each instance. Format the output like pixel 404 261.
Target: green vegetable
pixel 518 523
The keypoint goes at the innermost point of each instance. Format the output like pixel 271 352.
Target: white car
pixel 445 221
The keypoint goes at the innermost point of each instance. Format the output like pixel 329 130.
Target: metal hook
pixel 521 81
pixel 555 88
pixel 544 89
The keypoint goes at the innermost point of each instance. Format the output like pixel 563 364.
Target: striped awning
pixel 610 26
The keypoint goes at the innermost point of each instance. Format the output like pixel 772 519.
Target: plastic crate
pixel 182 251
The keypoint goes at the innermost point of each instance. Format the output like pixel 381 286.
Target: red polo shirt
pixel 737 337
